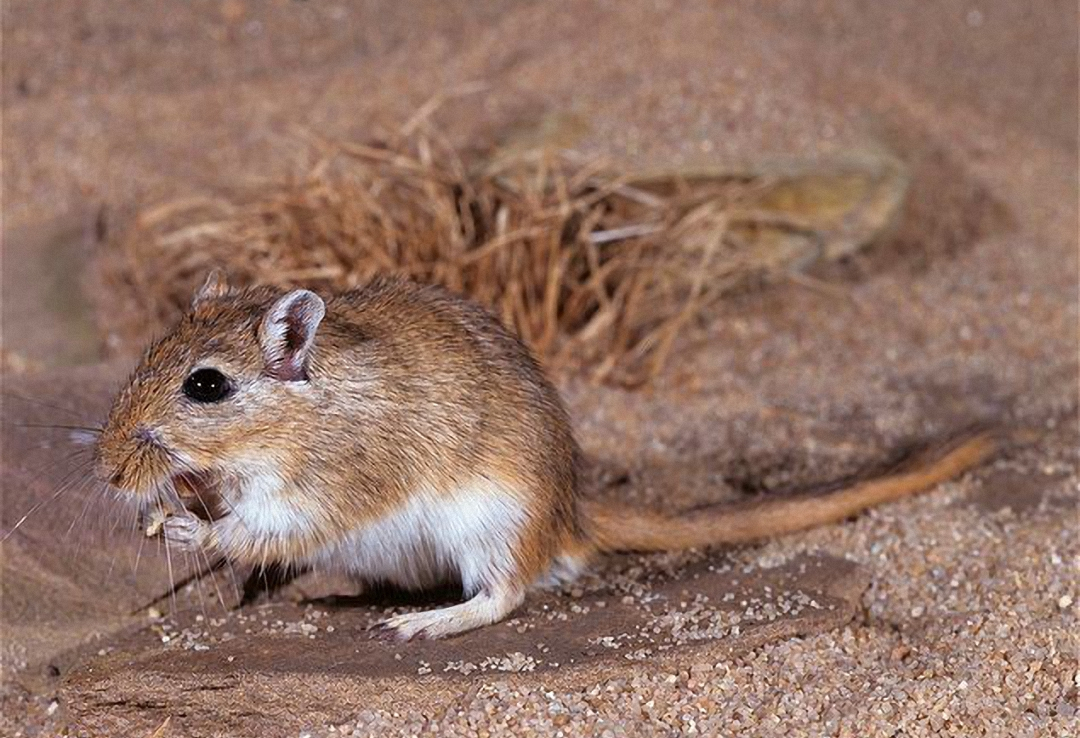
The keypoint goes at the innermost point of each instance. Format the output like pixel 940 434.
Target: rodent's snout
pixel 131 460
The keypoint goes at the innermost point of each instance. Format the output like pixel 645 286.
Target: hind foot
pixel 483 609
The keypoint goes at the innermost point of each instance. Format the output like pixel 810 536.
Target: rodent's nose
pixel 145 435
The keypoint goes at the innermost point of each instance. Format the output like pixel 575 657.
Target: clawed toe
pixel 183 531
pixel 402 628
pixel 483 609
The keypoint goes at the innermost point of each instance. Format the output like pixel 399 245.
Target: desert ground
pixel 953 613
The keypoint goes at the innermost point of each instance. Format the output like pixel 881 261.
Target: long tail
pixel 614 528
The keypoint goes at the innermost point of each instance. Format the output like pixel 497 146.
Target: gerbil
pixel 398 433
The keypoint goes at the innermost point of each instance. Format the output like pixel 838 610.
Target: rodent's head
pixel 221 393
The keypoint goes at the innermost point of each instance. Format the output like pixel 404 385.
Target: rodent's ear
pixel 287 333
pixel 216 285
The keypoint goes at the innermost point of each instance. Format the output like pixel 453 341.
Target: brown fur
pixel 407 387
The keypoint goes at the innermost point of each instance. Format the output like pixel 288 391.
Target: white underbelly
pixel 466 535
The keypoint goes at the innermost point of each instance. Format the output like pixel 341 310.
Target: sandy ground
pixel 951 614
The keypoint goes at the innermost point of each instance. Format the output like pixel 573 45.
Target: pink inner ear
pixel 294 337
pixel 288 334
pixel 290 365
pixel 289 372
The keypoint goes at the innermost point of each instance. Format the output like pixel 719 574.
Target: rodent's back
pixel 428 390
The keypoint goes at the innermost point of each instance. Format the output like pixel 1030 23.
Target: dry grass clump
pixel 595 268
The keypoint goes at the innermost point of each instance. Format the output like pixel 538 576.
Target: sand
pixel 950 614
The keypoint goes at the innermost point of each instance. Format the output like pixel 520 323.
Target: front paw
pixel 185 532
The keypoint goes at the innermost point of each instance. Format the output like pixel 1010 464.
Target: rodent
pixel 400 433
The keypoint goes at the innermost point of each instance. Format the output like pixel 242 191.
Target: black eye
pixel 207 385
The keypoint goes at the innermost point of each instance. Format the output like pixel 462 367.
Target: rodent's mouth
pixel 200 494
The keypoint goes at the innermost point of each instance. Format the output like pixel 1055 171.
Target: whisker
pixel 117 518
pixel 180 584
pixel 263 565
pixel 168 489
pixel 198 585
pixel 128 516
pixel 139 549
pixel 169 566
pixel 213 578
pixel 81 516
pixel 42 403
pixel 65 484
pixel 112 565
pixel 175 498
pixel 206 557
pixel 38 472
pixel 233 576
pixel 50 426
pixel 44 470
pixel 92 505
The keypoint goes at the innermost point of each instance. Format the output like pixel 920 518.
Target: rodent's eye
pixel 207 385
